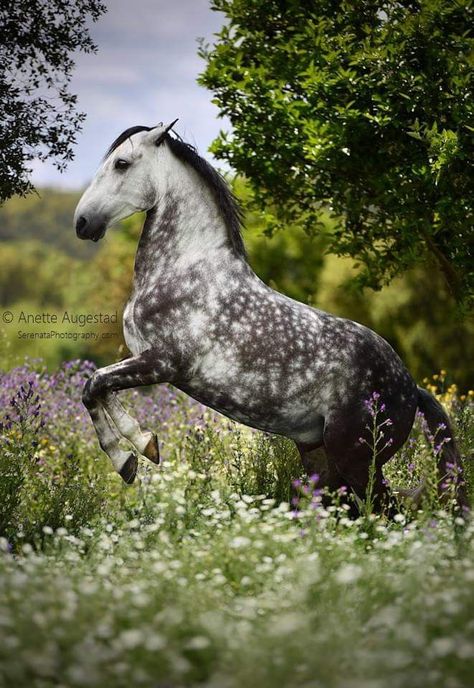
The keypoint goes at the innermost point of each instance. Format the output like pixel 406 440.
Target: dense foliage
pixel 38 116
pixel 213 569
pixel 365 108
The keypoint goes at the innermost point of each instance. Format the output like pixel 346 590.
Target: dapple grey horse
pixel 200 319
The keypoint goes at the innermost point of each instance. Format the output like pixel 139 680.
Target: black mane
pixel 225 199
pixel 123 137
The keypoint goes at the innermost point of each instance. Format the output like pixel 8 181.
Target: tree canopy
pixel 38 116
pixel 364 108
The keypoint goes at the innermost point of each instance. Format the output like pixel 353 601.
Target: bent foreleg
pixel 98 397
pixel 124 462
pixel 146 443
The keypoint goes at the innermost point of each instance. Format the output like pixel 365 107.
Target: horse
pixel 200 319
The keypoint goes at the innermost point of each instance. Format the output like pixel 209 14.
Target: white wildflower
pixel 199 642
pixel 155 642
pixel 240 541
pixel 131 638
pixel 348 573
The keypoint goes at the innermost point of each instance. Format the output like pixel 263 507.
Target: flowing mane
pixel 225 199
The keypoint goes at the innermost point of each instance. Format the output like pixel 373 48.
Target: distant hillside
pixel 46 217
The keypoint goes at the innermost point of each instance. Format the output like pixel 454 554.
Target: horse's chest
pixel 169 324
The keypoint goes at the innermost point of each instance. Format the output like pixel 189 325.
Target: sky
pixel 143 73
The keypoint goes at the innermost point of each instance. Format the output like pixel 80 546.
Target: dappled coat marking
pixel 200 318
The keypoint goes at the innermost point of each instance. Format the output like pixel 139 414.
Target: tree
pixel 364 108
pixel 38 117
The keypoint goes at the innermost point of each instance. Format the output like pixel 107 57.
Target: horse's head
pixel 124 184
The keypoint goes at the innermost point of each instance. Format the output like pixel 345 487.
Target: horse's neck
pixel 185 228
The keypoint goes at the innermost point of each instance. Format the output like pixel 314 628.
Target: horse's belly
pixel 307 428
pixel 295 418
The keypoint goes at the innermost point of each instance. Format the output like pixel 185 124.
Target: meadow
pixel 347 138
pixel 221 567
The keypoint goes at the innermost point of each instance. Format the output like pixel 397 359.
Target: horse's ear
pixel 162 135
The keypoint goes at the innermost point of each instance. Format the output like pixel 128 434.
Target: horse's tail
pixel 440 432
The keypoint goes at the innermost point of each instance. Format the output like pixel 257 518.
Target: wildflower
pixel 155 642
pixel 441 647
pixel 348 574
pixel 4 545
pixel 240 541
pixel 199 642
pixel 131 638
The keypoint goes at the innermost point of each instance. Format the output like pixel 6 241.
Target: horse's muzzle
pixel 90 229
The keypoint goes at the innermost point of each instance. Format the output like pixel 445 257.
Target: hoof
pixel 128 471
pixel 412 495
pixel 151 450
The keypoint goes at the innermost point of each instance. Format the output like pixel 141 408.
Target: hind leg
pixel 353 461
pixel 315 462
pixel 382 498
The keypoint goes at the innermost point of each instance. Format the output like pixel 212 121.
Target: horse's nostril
pixel 81 223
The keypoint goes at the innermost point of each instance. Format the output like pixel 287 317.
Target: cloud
pixel 108 74
pixel 145 71
pixel 152 19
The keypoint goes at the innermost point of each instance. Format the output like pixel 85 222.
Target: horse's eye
pixel 121 164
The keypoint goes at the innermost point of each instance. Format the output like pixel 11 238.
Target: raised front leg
pixel 124 462
pixel 146 443
pixel 146 369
